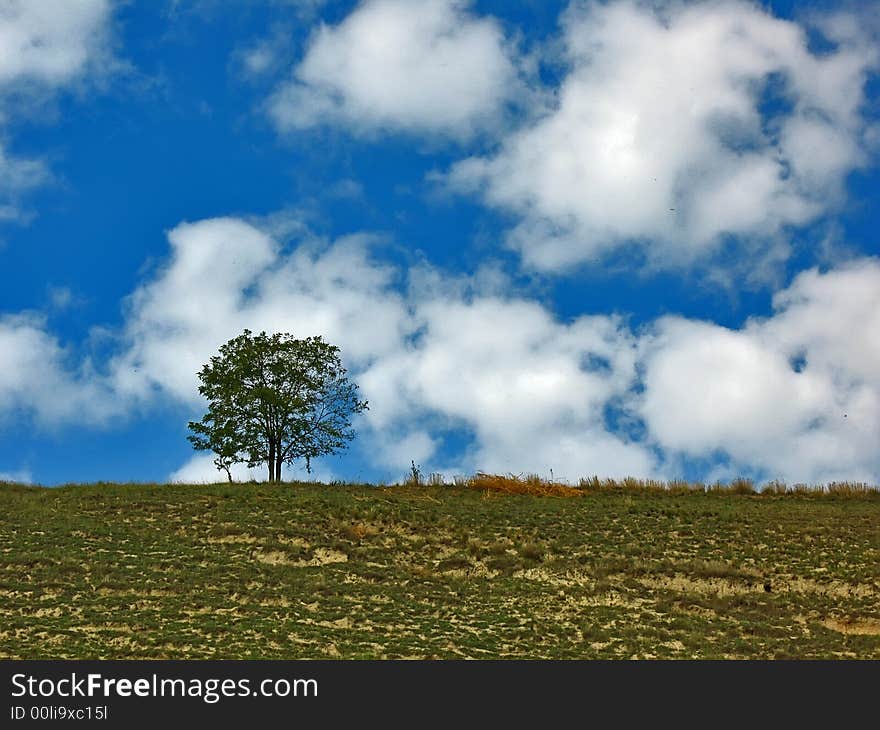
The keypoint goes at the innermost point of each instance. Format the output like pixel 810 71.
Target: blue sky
pixel 598 238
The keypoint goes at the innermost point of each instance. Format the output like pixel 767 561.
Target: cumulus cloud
pixel 37 377
pixel 677 127
pixel 50 41
pixel 200 469
pixel 427 67
pixel 45 44
pixel 794 396
pixel 531 390
pixel 225 275
pixel 442 359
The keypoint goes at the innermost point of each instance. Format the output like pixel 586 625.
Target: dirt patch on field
pixel 92 630
pixel 478 570
pixel 701 586
pixel 126 592
pixel 320 556
pixel 273 557
pixel 835 588
pixel 234 540
pixel 14 594
pixel 544 575
pixel 295 541
pixel 324 556
pixel 727 587
pixel 54 612
pixel 862 627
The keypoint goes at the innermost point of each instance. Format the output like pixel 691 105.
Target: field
pixel 314 571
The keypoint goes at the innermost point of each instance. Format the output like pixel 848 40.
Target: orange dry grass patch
pixel 512 484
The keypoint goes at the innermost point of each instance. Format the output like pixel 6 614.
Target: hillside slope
pixel 295 571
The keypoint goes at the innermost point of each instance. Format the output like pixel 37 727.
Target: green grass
pixel 296 571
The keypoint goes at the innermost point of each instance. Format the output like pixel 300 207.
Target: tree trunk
pixel 278 463
pixel 271 461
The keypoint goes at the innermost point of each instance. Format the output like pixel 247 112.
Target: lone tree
pixel 273 399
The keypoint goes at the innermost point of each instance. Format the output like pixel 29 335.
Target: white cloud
pixel 224 275
pixel 661 137
pixel 200 469
pixel 61 297
pixel 262 57
pixel 21 476
pixel 50 41
pixel 796 395
pixel 37 378
pixel 44 45
pixel 530 389
pixel 17 176
pixel 427 67
pixel 258 59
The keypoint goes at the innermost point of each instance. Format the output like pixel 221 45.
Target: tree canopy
pixel 273 399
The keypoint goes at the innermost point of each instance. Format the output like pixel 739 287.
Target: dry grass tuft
pixel 850 489
pixel 517 484
pixel 740 485
pixel 837 489
pixel 631 484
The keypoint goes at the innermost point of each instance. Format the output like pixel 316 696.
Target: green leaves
pixel 274 399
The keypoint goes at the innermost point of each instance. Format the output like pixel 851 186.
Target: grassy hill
pixel 296 571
